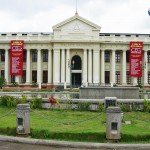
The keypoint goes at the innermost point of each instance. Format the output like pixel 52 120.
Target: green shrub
pixel 125 107
pixel 100 107
pixel 8 101
pixel 82 106
pixel 40 134
pixel 2 82
pixel 8 131
pixel 146 106
pixel 15 84
pixel 36 103
pixel 34 84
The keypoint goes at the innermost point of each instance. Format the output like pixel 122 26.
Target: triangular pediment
pixel 76 27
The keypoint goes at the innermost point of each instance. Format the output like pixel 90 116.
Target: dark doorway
pixel 76 64
pixel 76 80
pixel 107 76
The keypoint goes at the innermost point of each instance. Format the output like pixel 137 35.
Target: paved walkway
pixel 77 145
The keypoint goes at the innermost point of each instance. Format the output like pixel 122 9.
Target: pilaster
pixel 56 66
pixel 102 67
pixel 6 65
pixel 96 66
pixel 49 66
pixel 28 67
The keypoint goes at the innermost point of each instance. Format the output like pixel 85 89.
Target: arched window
pixel 76 62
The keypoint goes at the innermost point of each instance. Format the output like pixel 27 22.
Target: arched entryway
pixel 76 74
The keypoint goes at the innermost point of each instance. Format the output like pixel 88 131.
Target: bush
pixel 100 107
pixel 36 103
pixel 83 106
pixel 15 84
pixel 34 84
pixel 125 107
pixel 8 101
pixel 2 82
pixel 146 106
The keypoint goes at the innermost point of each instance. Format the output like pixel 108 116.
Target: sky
pixel 114 16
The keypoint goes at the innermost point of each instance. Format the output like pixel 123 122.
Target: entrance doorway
pixel 76 80
pixel 76 76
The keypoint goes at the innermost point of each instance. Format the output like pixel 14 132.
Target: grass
pixel 71 125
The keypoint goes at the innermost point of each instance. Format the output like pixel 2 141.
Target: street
pixel 20 146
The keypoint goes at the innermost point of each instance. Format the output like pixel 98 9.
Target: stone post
pixel 113 123
pixel 23 119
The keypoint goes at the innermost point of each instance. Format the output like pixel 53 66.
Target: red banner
pixel 136 59
pixel 16 57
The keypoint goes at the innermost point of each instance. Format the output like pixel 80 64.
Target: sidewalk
pixel 75 144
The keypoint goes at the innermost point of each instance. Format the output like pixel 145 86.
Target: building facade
pixel 75 54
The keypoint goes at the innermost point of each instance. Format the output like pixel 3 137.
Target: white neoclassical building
pixel 76 54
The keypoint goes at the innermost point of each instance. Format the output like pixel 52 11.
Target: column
pixel 145 68
pixel 96 68
pixel 84 67
pixel 102 67
pixel 124 82
pixel 68 66
pixel 113 67
pixel 90 66
pixel 28 67
pixel 39 64
pixel 56 67
pixel 49 66
pixel 6 66
pixel 62 66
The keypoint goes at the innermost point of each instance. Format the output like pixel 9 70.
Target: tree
pixel 2 82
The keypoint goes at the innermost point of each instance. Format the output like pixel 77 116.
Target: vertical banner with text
pixel 136 59
pixel 16 57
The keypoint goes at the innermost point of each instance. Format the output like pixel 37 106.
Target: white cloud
pixel 128 16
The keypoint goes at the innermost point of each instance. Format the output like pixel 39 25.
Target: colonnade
pixel 93 66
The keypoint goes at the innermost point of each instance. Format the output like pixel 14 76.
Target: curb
pixel 64 144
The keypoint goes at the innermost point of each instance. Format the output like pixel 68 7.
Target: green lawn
pixel 77 126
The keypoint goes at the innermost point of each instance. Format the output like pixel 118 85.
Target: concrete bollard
pixel 23 119
pixel 113 123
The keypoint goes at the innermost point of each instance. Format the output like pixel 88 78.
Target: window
pixel 117 55
pixel 139 81
pixel 127 56
pixel 12 79
pixel 2 55
pixel 45 76
pixel 107 56
pixel 118 77
pixel 24 55
pixel 2 73
pixel 128 78
pixel 34 76
pixel 24 76
pixel 34 56
pixel 45 56
pixel 148 57
pixel 148 77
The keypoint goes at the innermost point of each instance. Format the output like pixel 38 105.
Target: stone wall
pixel 102 92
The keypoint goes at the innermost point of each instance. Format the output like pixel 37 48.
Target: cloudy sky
pixel 114 16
